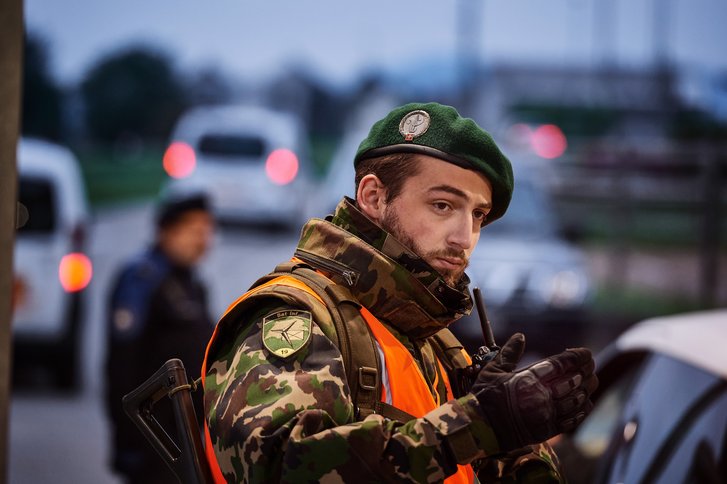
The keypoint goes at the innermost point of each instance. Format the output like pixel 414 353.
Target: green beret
pixel 439 131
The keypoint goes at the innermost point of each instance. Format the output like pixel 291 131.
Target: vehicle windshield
pixel 36 195
pixel 232 146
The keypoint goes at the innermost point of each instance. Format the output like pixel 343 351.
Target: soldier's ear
pixel 371 197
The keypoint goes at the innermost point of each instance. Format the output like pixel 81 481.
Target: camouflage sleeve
pixel 529 465
pixel 292 420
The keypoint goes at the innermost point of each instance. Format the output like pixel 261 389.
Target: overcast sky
pixel 255 38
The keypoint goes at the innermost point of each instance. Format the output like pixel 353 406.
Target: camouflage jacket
pixel 291 419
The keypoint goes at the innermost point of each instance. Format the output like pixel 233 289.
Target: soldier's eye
pixel 481 217
pixel 441 206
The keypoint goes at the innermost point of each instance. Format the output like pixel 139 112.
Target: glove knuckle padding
pixel 543 369
pixel 564 386
pixel 571 403
pixel 540 401
pixel 533 404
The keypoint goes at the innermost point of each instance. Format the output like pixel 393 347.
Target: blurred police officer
pixel 157 310
pixel 281 399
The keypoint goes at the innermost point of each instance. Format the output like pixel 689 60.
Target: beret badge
pixel 414 124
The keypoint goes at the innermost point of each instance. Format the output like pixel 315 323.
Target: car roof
pixel 39 155
pixel 283 127
pixel 40 158
pixel 697 338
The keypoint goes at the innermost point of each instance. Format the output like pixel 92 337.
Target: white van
pixel 51 269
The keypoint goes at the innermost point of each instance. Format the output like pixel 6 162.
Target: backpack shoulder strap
pixel 354 340
pixel 453 357
pixel 450 348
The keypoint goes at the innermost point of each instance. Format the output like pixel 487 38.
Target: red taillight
pixel 179 160
pixel 281 166
pixel 75 271
pixel 549 141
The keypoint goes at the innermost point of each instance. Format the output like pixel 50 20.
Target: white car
pixel 51 270
pixel 251 161
pixel 660 411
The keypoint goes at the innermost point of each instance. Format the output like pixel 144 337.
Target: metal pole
pixel 662 30
pixel 604 23
pixel 469 35
pixel 11 40
pixel 709 240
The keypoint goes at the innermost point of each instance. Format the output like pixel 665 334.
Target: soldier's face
pixel 186 241
pixel 439 214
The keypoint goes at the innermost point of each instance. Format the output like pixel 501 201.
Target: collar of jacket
pixel 161 259
pixel 391 281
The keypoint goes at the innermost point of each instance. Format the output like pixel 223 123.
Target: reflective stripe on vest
pixel 409 390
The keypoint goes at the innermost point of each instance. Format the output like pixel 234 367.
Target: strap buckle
pixel 368 378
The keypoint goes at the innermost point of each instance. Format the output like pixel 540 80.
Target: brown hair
pixel 393 170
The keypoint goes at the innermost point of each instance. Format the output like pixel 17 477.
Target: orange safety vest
pixel 409 389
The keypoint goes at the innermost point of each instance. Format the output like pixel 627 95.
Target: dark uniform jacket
pixel 157 311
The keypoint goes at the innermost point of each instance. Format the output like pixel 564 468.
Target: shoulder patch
pixel 285 332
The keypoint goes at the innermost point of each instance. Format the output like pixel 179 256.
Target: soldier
pixel 157 310
pixel 338 367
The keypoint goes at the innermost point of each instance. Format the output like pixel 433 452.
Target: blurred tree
pixel 132 94
pixel 42 98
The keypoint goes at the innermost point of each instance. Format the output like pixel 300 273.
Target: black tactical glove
pixel 538 402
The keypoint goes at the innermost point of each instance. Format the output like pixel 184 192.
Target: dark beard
pixel 391 224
